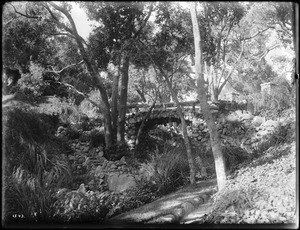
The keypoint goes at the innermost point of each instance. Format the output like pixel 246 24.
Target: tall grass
pixel 35 165
pixel 167 169
pixel 26 200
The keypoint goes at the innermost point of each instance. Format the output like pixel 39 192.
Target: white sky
pixel 83 25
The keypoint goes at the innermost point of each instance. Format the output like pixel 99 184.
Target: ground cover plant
pixel 263 191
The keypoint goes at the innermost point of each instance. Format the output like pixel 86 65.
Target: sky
pixel 79 16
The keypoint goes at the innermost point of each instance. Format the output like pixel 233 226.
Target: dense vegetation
pixel 61 91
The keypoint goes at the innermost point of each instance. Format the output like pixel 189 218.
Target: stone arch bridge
pixel 167 113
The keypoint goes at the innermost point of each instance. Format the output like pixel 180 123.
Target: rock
pixel 81 160
pixel 246 116
pixel 92 151
pixel 231 118
pixel 82 189
pixel 100 154
pixel 98 171
pixel 85 149
pixel 122 160
pixel 258 120
pixel 270 123
pixel 119 183
pixel 238 112
pixel 71 158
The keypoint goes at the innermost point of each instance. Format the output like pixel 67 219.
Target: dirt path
pixel 172 208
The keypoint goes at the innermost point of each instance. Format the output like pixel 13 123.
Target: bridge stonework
pixel 197 129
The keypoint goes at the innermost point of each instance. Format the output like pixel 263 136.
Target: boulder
pixel 270 123
pixel 81 160
pixel 258 120
pixel 231 117
pixel 120 182
pixel 246 116
pixel 239 112
pixel 98 171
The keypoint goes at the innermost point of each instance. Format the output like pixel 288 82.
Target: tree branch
pixel 232 69
pixel 73 31
pixel 256 34
pixel 63 69
pixel 81 93
pixel 24 15
pixel 145 119
pixel 144 22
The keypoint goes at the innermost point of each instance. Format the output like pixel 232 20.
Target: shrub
pixel 144 192
pixel 97 138
pixel 29 141
pixel 35 163
pixel 78 207
pixel 233 156
pixel 26 200
pixel 31 85
pixel 168 170
pixel 272 105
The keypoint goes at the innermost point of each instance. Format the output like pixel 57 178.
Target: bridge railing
pixel 168 105
pixel 185 104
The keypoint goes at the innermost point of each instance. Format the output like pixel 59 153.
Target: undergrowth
pixel 263 192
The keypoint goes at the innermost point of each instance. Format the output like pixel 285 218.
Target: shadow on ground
pixel 167 204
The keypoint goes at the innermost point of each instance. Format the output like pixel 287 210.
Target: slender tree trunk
pixel 214 136
pixel 184 127
pixel 145 118
pixel 185 135
pixel 114 106
pixel 123 98
pixel 215 94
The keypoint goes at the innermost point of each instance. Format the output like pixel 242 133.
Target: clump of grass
pixel 167 169
pixel 35 164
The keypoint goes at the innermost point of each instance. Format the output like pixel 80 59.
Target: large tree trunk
pixel 123 98
pixel 93 72
pixel 214 136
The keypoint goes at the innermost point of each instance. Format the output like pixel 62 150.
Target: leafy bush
pixel 79 207
pixel 233 156
pixel 31 85
pixel 29 140
pixel 144 192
